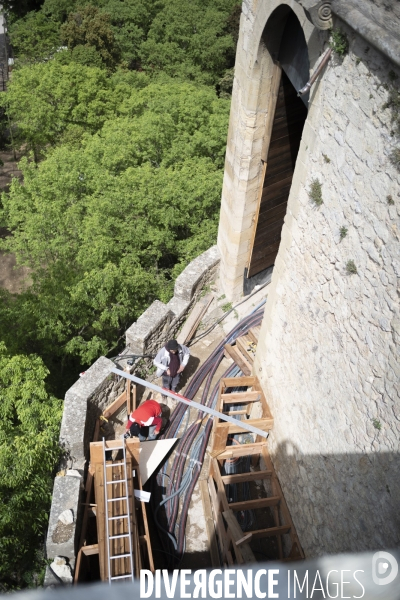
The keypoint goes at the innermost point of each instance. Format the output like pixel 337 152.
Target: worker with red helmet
pixel 145 422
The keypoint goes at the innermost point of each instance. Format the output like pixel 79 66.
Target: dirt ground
pixel 12 277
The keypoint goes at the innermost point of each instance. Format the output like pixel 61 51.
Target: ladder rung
pixel 121 577
pixel 118 464
pixel 119 556
pixel 117 481
pixel 116 499
pixel 114 448
pixel 119 517
pixel 116 537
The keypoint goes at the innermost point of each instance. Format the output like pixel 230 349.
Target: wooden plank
pixel 194 319
pixel 216 474
pixel 220 437
pixel 88 490
pixel 263 424
pixel 96 430
pixel 237 535
pixel 90 550
pixel 254 220
pixel 241 450
pixel 147 531
pixel 214 554
pixel 253 333
pixel 236 412
pixel 219 524
pixel 101 520
pixel 244 477
pixel 240 397
pixel 275 511
pixel 133 520
pixel 253 504
pixel 228 382
pixel 270 531
pixel 129 386
pixel 110 410
pixel 284 510
pixel 243 346
pixel 246 538
pixel 78 566
pixel 241 362
pixel 276 77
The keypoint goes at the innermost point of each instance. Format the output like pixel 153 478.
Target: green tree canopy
pixel 105 227
pixel 29 426
pixel 34 37
pixel 87 26
pixel 67 98
pixel 191 39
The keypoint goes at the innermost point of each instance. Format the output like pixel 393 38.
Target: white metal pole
pixel 191 403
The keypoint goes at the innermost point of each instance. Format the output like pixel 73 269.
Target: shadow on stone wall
pixel 341 502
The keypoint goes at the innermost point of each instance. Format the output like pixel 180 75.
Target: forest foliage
pixel 120 111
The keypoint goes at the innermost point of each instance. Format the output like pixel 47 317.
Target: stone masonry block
pixel 158 315
pixel 61 538
pixel 188 280
pixel 74 423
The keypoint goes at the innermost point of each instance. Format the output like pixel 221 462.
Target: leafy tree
pixel 29 426
pixel 66 96
pixel 189 39
pixel 58 9
pixel 19 8
pixel 87 26
pixel 106 226
pixel 34 37
pixel 131 21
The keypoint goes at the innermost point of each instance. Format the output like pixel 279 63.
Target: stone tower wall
pixel 328 356
pixel 329 351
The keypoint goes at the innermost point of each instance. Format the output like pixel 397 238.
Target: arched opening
pixel 284 39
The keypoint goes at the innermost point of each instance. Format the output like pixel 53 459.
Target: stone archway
pixel 284 39
pixel 250 129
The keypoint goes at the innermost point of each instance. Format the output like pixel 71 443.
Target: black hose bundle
pixel 189 455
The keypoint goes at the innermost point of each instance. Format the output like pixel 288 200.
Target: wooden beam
pixel 270 531
pixel 238 358
pixel 88 490
pixel 96 430
pixel 146 529
pixel 228 382
pixel 90 550
pixel 237 536
pixel 254 333
pixel 213 546
pixel 110 410
pixel 253 504
pixel 242 346
pixel 240 397
pixel 194 319
pixel 220 437
pixel 263 424
pixel 284 510
pixel 78 566
pixel 241 450
pixel 101 521
pixel 219 523
pixel 244 477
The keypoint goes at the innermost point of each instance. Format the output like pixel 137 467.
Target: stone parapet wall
pixel 97 388
pixel 162 321
pixel 328 356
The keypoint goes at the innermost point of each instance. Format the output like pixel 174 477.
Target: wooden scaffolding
pixel 121 531
pixel 229 543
